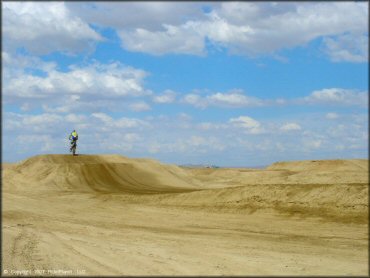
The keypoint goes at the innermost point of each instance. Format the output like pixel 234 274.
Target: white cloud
pixel 233 99
pixel 190 144
pixel 49 132
pixel 313 144
pixel 177 40
pixel 151 27
pixel 168 96
pixel 112 79
pixel 44 143
pixel 245 122
pixel 158 28
pixel 139 106
pixel 75 118
pixel 237 99
pixel 248 124
pixel 46 123
pixel 154 148
pixel 184 117
pixel 280 147
pixel 58 109
pixel 338 130
pixel 44 27
pixel 131 137
pixel 211 126
pixel 44 119
pixel 195 100
pixel 120 122
pixel 348 48
pixel 245 28
pixel 332 116
pixel 290 127
pixel 110 87
pixel 130 123
pixel 16 64
pixel 197 141
pixel 103 117
pixel 223 141
pixel 132 15
pixel 25 107
pixel 337 96
pixel 87 87
pixel 51 122
pixel 282 25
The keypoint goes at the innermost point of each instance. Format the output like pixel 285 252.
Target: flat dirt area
pixel 111 215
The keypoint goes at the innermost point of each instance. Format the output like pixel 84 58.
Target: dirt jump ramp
pixel 103 173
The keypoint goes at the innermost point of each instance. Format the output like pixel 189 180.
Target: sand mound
pixel 103 173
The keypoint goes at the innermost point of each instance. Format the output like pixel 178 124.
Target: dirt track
pixel 110 215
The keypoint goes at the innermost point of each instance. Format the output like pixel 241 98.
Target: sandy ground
pixel 110 215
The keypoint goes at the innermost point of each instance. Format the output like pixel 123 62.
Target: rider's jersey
pixel 73 136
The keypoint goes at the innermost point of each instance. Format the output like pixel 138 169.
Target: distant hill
pixel 199 166
pixel 216 166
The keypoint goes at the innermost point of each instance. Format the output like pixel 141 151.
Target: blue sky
pixel 224 83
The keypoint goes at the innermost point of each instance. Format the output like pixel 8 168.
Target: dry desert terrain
pixel 112 215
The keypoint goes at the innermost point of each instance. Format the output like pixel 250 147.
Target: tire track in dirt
pixel 25 249
pixel 79 254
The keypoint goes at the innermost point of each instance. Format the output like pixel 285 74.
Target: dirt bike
pixel 73 147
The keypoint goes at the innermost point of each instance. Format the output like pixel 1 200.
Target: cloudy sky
pixel 231 84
